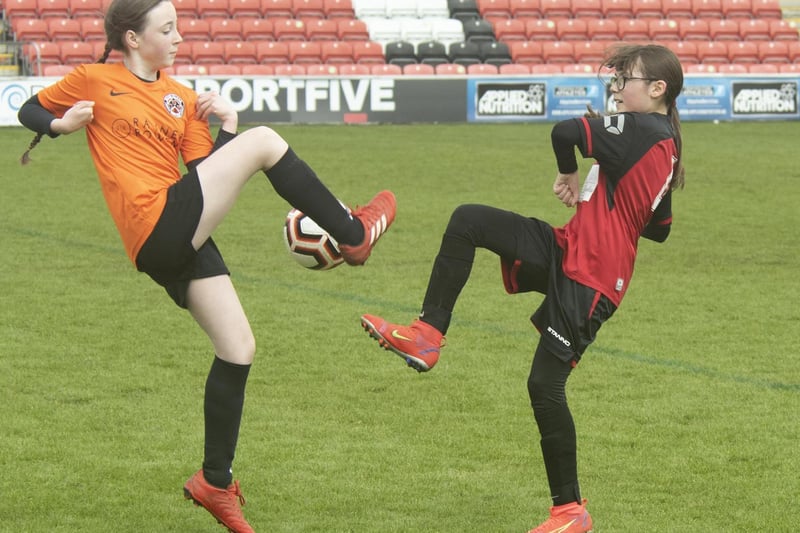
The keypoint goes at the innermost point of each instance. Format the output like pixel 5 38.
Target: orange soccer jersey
pixel 138 131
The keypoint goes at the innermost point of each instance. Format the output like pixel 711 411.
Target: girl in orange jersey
pixel 138 123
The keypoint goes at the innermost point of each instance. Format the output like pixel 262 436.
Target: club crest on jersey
pixel 174 105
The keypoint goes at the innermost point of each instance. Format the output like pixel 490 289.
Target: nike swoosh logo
pixel 396 335
pixel 115 93
pixel 563 528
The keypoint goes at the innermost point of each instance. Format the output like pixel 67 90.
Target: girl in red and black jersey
pixel 583 268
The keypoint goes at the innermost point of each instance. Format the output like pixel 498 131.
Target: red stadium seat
pixel 245 9
pixel 368 52
pixel 783 30
pixel 419 69
pixel 76 52
pixel 352 30
pixel 712 52
pixel 61 29
pixel 308 9
pixel 321 69
pixel 499 9
pixel 30 29
pixel 57 70
pixel 353 69
pixel 589 52
pixel 191 70
pixel 773 52
pixel 677 9
pixel 526 52
pixel 482 69
pixel 192 29
pixel 793 49
pixel 743 52
pixel 258 70
pixel 617 9
pixel 272 52
pixel 767 9
pixel 602 29
pixel 186 8
pixel 289 30
pixel 213 9
pixel 92 29
pixel 224 70
pixel 723 29
pixel 277 8
pixel 207 52
pixel 508 30
pixel 241 52
pixel 556 9
pixel 547 69
pixel 702 68
pixel 20 9
pixel 540 30
pixel 789 68
pixel 737 9
pixel 290 70
pixel 524 9
pixel 304 52
pixel 86 9
pixel 663 30
pixel 53 8
pixel 257 29
pixel 225 29
pixel 686 51
pixel 385 70
pixel 763 68
pixel 558 52
pixel 339 9
pixel 571 30
pixel 591 9
pixel 450 69
pixel 707 9
pixel 514 69
pixel 732 68
pixel 754 30
pixel 693 30
pixel 579 68
pixel 647 9
pixel 322 30
pixel 633 30
pixel 336 52
pixel 44 53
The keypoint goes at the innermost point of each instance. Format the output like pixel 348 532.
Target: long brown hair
pixel 657 63
pixel 122 15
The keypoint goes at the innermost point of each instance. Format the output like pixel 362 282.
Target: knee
pixel 272 145
pixel 544 393
pixel 240 351
pixel 461 219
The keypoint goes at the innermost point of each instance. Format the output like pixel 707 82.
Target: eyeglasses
pixel 618 82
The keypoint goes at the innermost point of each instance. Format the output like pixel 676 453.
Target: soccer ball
pixel 309 244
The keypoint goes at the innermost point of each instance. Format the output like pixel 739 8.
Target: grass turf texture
pixel 686 406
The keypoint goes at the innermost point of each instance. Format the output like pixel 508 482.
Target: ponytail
pixel 679 172
pixel 25 159
pixel 106 53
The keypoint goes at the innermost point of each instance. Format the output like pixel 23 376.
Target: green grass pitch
pixel 686 406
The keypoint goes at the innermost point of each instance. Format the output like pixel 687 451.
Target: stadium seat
pixel 368 52
pixel 767 9
pixel 558 52
pixel 401 9
pixel 76 52
pixel 789 68
pixel 22 9
pixel 707 9
pixel 305 52
pixel 207 52
pixel 732 68
pixel 617 9
pixel 290 70
pixel 448 30
pixel 86 9
pixel 43 53
pixel 743 52
pixel 289 30
pixel 547 69
pixel 602 29
pixel 272 52
pixel 191 70
pixel 526 52
pixel 589 52
pixel 763 68
pixel 416 30
pixel 53 8
pixel 419 69
pixel 663 30
pixel 793 49
pixel 385 70
pixel 365 9
pixel 737 9
pixel 494 53
pixel 254 29
pixel 31 29
pixel 224 70
pixel 339 9
pixel 185 8
pixel 450 69
pixel 693 30
pixel 540 30
pixel 400 53
pixel 482 69
pixel 308 9
pixel 723 29
pixel 213 9
pixel 478 30
pixel 465 53
pixel 336 52
pixel 686 51
pixel 773 52
pixel 183 57
pixel 57 70
pixel 433 9
pixel 353 69
pixel 321 69
pixel 509 30
pixel 322 30
pixel 385 30
pixel 352 30
pixel 702 68
pixel 633 30
pixel 228 29
pixel 432 53
pixel 571 30
pixel 514 69
pixel 647 9
pixel 525 9
pixel 754 30
pixel 463 10
pixel 587 9
pixel 556 9
pixel 242 9
pixel 677 9
pixel 277 9
pixel 241 52
pixel 494 9
pixel 712 52
pixel 192 29
pixel 579 68
pixel 783 30
pixel 61 29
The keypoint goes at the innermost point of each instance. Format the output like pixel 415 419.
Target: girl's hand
pixel 211 103
pixel 76 117
pixel 566 188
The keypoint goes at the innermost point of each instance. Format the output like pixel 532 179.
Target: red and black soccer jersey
pixel 627 190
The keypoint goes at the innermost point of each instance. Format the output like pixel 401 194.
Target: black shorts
pixel 167 255
pixel 571 313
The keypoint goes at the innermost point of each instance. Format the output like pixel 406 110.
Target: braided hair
pixel 122 15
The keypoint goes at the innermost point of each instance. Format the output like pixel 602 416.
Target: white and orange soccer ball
pixel 308 244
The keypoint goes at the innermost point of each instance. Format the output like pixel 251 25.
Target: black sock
pixel 224 400
pixel 297 183
pixel 450 272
